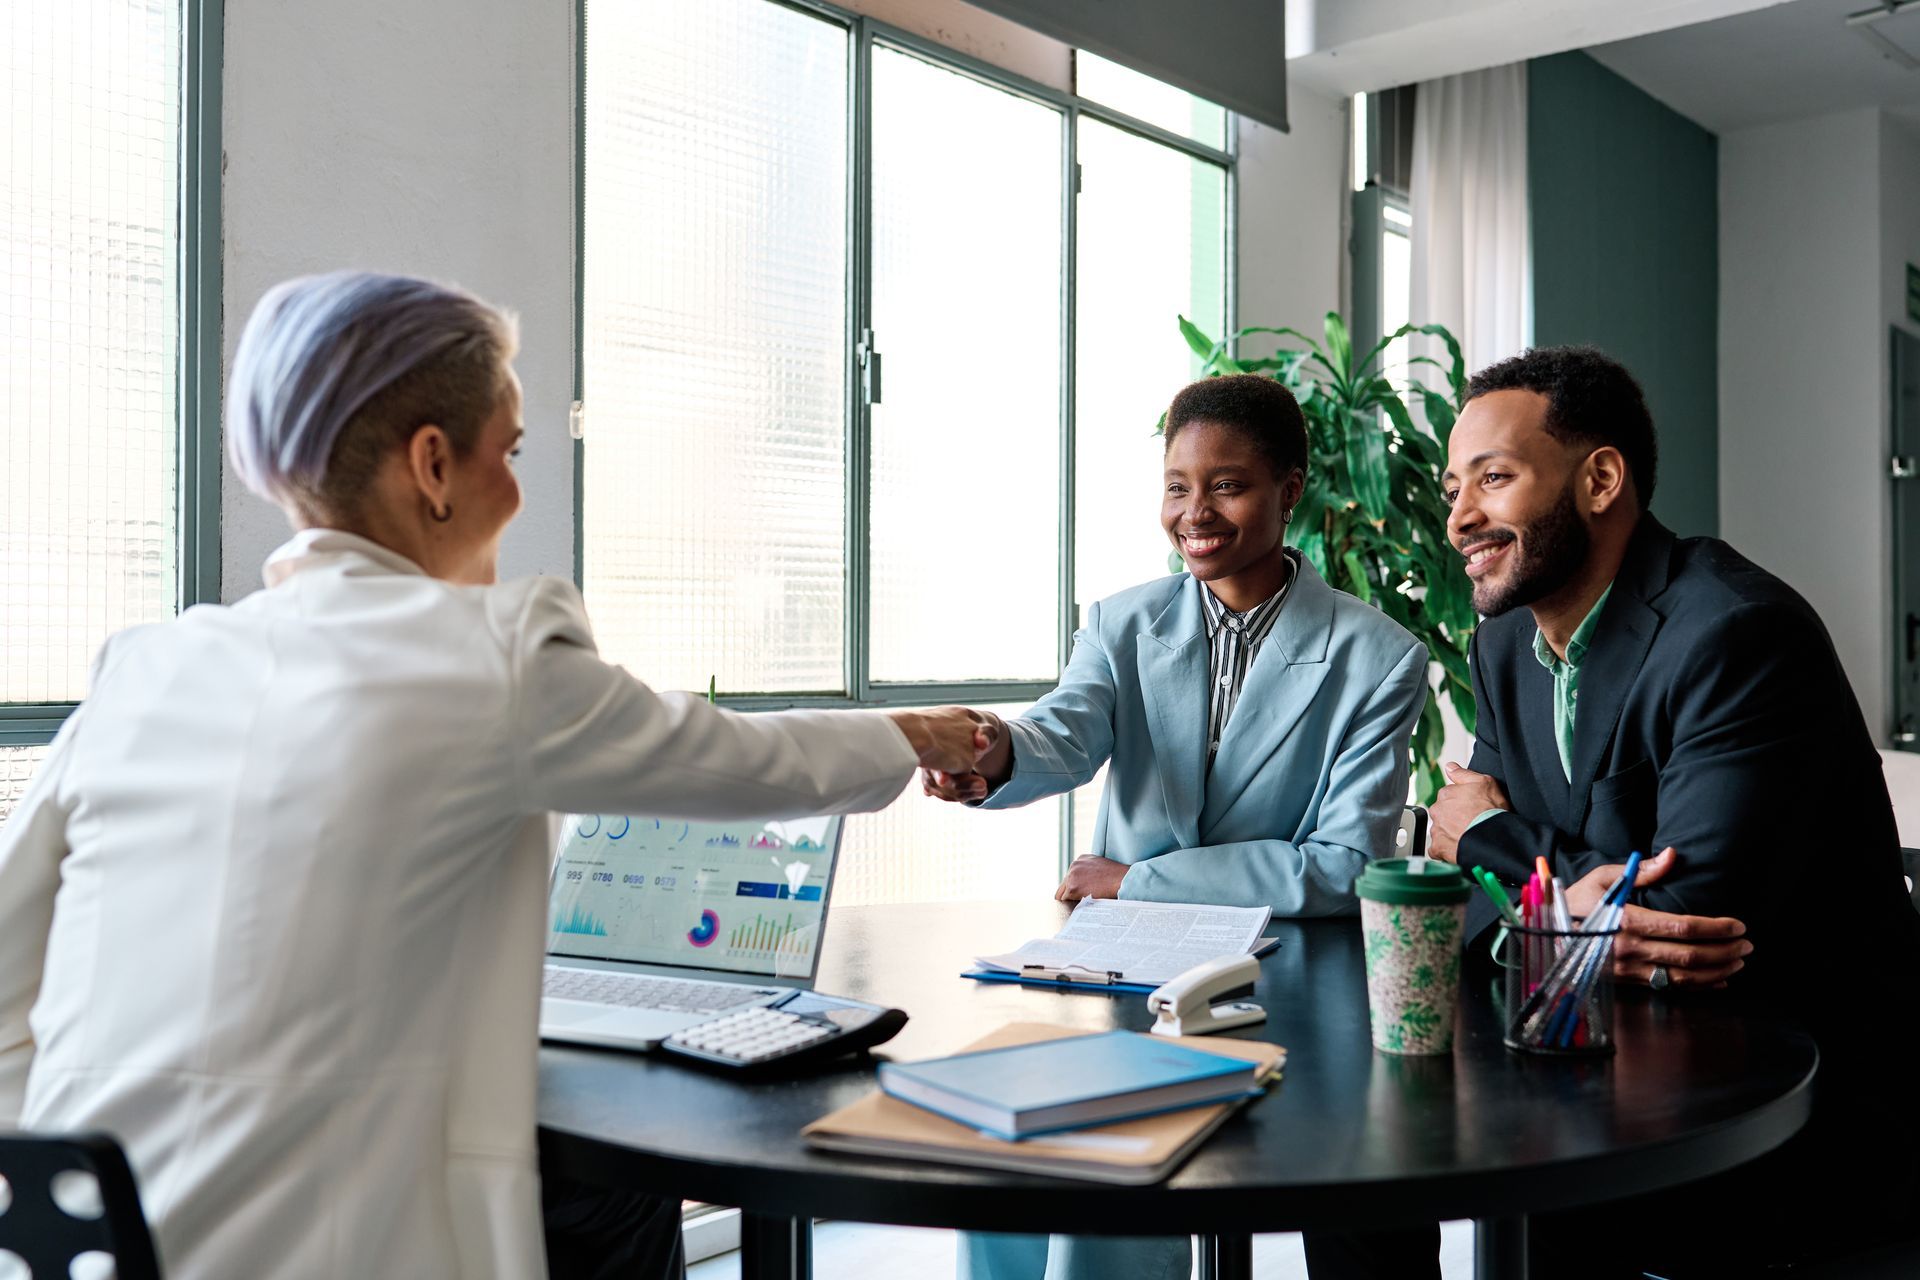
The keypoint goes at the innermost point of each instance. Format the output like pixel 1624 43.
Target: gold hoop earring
pixel 443 514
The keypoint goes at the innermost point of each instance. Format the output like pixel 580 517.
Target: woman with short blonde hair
pixel 273 910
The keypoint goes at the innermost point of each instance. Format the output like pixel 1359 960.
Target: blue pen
pixel 1633 873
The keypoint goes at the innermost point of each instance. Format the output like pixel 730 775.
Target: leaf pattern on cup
pixel 1420 1019
pixel 1378 945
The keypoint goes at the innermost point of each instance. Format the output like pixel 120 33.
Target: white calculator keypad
pixel 752 1035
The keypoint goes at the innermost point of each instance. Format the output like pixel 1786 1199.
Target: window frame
pixel 197 362
pixel 864 34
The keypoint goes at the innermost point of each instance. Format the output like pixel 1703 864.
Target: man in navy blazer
pixel 1637 691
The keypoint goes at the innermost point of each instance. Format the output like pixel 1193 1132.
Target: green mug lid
pixel 1413 882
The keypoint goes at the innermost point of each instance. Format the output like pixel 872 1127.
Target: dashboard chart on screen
pixel 744 897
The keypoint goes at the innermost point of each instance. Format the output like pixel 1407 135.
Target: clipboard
pixel 1098 984
pixel 1089 980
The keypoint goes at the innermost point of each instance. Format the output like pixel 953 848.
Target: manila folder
pixel 1133 1152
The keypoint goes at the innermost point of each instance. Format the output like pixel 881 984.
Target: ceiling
pixel 1351 46
pixel 1785 62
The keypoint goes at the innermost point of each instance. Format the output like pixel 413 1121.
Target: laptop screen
pixel 742 897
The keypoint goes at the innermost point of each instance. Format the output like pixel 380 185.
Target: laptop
pixel 655 925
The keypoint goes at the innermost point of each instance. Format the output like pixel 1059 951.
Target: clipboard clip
pixel 1072 973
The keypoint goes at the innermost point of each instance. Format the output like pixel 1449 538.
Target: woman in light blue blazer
pixel 1255 722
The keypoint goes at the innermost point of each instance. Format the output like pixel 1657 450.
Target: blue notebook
pixel 1054 1085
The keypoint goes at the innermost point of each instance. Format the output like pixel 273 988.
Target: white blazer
pixel 273 909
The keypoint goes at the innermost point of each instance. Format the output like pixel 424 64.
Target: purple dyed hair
pixel 318 350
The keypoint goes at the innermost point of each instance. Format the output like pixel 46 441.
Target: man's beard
pixel 1552 549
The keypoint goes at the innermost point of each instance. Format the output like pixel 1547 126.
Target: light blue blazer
pixel 1312 770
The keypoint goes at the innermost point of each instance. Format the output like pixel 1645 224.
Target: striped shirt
pixel 1235 639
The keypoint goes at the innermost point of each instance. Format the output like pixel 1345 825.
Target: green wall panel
pixel 1624 197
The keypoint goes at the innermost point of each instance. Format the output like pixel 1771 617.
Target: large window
pixel 873 342
pixel 101 524
pixel 1383 221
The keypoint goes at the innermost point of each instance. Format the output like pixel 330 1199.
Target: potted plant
pixel 1372 519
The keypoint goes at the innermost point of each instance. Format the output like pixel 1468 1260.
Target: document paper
pixel 1139 942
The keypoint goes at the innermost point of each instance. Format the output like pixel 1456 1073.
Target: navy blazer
pixel 1311 773
pixel 1714 716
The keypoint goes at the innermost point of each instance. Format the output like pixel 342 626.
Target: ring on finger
pixel 1660 979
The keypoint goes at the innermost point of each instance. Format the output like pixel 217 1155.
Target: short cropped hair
pixel 1260 410
pixel 334 371
pixel 1592 401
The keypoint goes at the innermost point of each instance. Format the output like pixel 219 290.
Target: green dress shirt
pixel 1566 686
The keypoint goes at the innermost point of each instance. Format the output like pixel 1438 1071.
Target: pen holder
pixel 1559 990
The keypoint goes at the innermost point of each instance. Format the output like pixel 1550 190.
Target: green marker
pixel 711 681
pixel 1498 893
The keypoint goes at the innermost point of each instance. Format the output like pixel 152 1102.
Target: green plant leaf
pixel 1440 414
pixel 1452 661
pixel 1202 345
pixel 1339 348
pixel 1357 577
pixel 1366 362
pixel 1463 706
pixel 1367 462
pixel 1457 368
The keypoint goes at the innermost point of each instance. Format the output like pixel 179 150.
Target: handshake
pixel 960 749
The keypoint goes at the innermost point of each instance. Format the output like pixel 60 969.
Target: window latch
pixel 869 361
pixel 577 420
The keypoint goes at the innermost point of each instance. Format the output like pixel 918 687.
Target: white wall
pixel 435 138
pixel 1292 211
pixel 1803 400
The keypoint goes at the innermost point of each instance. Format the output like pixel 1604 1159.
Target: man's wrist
pixel 1482 817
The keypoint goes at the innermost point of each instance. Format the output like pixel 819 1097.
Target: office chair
pixel 1410 841
pixel 67 1196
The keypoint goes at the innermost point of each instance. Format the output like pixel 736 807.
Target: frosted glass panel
pixel 1152 248
pixel 88 337
pixel 966 314
pixel 1144 98
pixel 16 771
pixel 1396 290
pixel 924 850
pixel 713 506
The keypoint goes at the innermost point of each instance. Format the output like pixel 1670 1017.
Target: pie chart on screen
pixel 706 931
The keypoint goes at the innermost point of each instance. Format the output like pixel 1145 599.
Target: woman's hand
pixel 1091 877
pixel 960 787
pixel 949 739
pixel 981 775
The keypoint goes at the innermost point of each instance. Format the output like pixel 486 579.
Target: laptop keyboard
pixel 633 991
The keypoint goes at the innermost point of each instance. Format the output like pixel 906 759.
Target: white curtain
pixel 1472 264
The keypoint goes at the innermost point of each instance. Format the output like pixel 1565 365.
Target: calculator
pixel 801 1030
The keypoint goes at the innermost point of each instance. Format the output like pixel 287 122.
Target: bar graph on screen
pixel 765 936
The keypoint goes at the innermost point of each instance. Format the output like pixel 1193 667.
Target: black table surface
pixel 1349 1137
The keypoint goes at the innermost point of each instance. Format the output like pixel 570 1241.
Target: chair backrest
pixel 68 1196
pixel 1410 840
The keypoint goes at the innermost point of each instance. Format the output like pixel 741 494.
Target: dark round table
pixel 1349 1137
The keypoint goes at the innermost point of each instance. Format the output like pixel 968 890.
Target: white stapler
pixel 1184 1007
